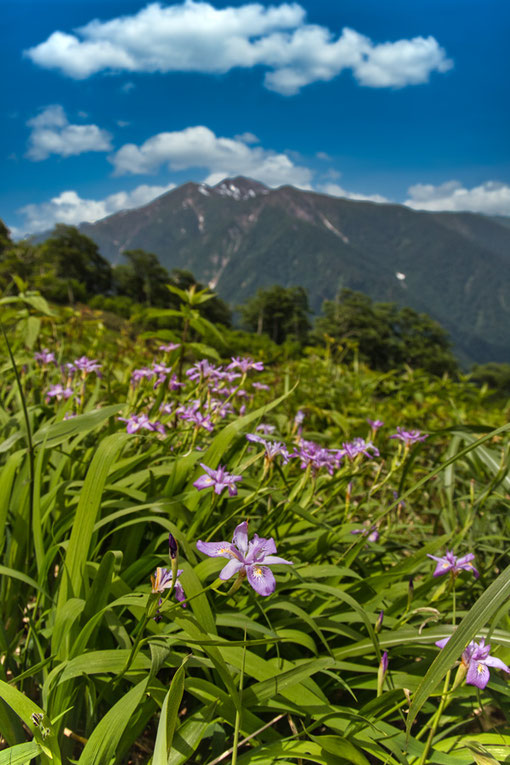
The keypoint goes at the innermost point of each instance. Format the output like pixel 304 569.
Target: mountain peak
pixel 240 188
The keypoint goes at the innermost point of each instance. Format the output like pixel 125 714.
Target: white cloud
pixel 491 198
pixel 222 157
pixel 68 207
pixel 196 37
pixel 52 134
pixel 334 190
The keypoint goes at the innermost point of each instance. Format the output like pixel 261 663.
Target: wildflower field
pixel 208 559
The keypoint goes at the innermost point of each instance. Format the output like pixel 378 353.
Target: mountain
pixel 240 235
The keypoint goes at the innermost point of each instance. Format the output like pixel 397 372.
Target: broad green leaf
pixel 20 753
pixel 72 583
pixel 190 734
pixel 103 742
pixel 168 717
pixel 57 433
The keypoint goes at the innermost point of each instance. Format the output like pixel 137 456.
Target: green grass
pixel 85 514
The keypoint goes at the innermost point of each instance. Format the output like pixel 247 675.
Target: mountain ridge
pixel 240 235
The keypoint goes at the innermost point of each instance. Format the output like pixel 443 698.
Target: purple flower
pixel 477 660
pixel 317 457
pixel 45 357
pixel 144 373
pixel 162 580
pixel 245 364
pixel 136 422
pixel 161 372
pixel 371 533
pixel 59 392
pixel 299 418
pixel 250 559
pixel 170 347
pixel 409 436
pixel 203 370
pixel 192 414
pixel 172 546
pixel 351 449
pixel 375 424
pixel 174 383
pixel 273 448
pixel 260 386
pixel 450 562
pixel 219 478
pixel 221 408
pixel 87 365
pixel 265 429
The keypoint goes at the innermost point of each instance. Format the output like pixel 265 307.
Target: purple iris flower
pixel 265 428
pixel 219 478
pixel 260 386
pixel 375 424
pixel 221 408
pixel 317 457
pixel 409 436
pixel 477 660
pixel 136 422
pixel 162 580
pixel 161 371
pixel 192 414
pixel 450 562
pixel 203 370
pixel 299 418
pixel 351 449
pixel 45 357
pixel 246 558
pixel 59 392
pixel 144 373
pixel 170 347
pixel 273 448
pixel 86 365
pixel 174 383
pixel 370 533
pixel 245 364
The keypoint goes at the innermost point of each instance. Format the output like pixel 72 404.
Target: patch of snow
pixel 336 231
pixel 400 276
pixel 215 279
pixel 202 189
pixel 200 222
pixel 231 190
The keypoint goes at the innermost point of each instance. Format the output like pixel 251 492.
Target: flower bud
pixel 381 672
pixel 379 621
pixel 172 546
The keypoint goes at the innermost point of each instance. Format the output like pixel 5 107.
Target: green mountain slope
pixel 239 236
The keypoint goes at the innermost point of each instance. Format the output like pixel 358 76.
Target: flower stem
pixel 435 720
pixel 237 724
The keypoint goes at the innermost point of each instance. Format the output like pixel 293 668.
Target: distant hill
pixel 240 235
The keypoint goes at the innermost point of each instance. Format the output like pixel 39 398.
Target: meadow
pixel 209 559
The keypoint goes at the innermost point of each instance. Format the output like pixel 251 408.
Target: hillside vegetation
pixel 253 560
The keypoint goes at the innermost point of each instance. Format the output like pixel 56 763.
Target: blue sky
pixel 108 104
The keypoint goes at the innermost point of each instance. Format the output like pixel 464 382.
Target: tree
pixel 385 336
pixel 5 238
pixel 142 278
pixel 78 264
pixel 280 312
